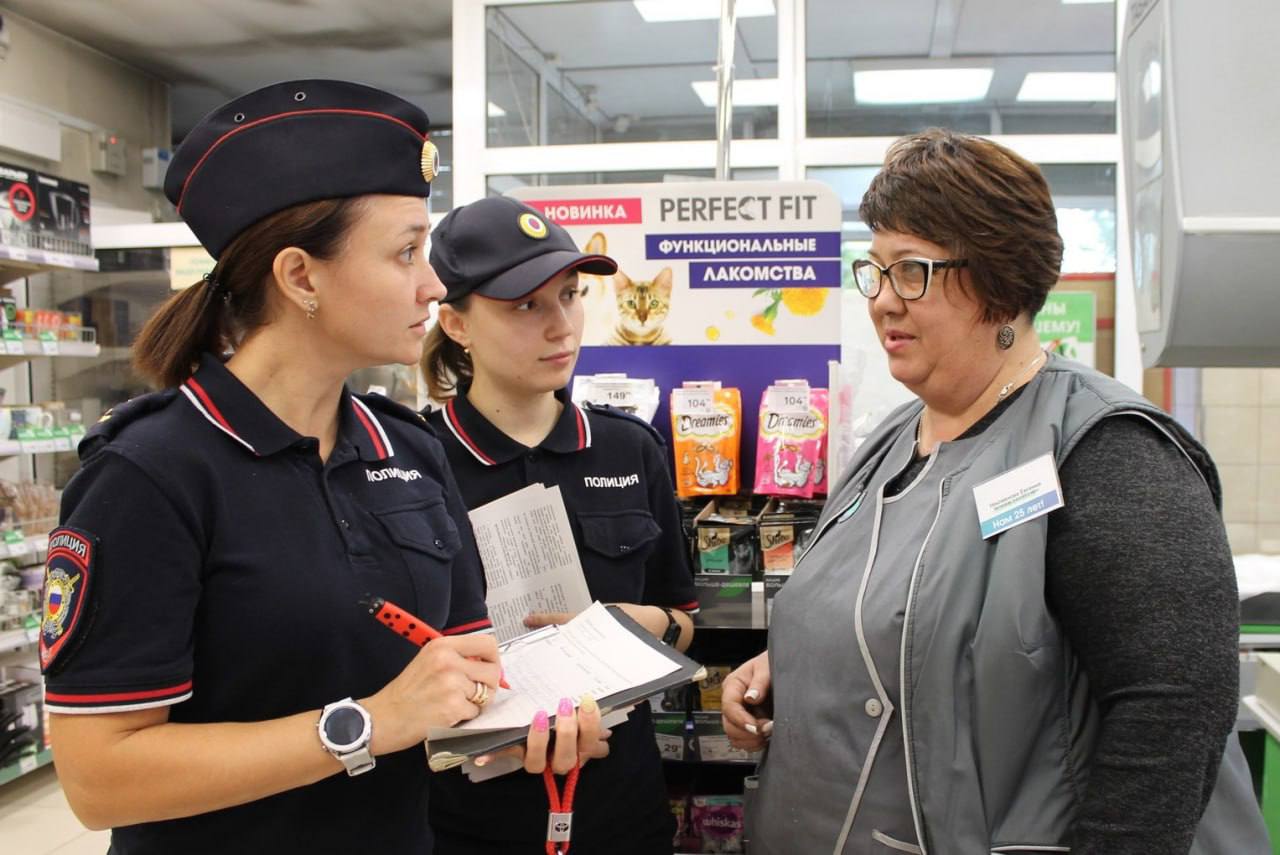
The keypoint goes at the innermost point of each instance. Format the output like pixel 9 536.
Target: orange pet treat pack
pixel 706 433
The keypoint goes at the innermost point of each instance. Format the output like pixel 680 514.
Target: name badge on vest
pixel 1018 496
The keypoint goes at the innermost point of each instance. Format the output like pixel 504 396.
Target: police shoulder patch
pixel 614 412
pixel 68 585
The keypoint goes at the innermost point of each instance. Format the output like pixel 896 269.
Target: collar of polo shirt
pixel 233 410
pixel 572 431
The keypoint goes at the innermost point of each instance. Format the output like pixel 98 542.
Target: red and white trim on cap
pixel 99 702
pixel 381 442
pixel 455 428
pixel 584 428
pixel 689 608
pixel 484 625
pixel 331 111
pixel 200 399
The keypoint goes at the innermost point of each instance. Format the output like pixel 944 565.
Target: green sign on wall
pixel 1068 325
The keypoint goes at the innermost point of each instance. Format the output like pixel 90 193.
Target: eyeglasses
pixel 909 276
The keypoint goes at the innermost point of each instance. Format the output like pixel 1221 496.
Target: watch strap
pixel 672 633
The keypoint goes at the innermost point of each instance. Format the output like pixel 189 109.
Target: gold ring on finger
pixel 481 696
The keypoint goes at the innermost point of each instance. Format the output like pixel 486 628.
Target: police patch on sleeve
pixel 68 578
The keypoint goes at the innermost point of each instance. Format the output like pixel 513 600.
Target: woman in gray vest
pixel 1016 628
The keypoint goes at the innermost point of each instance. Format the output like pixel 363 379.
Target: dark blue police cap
pixel 504 249
pixel 295 142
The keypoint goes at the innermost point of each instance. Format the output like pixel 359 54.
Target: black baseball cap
pixel 501 248
pixel 295 142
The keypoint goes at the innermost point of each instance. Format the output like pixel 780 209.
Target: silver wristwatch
pixel 345 730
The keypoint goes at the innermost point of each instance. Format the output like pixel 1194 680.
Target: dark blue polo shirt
pixel 612 472
pixel 217 565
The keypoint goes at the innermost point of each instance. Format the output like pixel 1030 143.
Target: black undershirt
pixel 1139 573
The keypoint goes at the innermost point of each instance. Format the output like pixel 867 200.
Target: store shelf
pixel 16 352
pixel 17 262
pixel 26 552
pixel 18 639
pixel 51 445
pixel 24 765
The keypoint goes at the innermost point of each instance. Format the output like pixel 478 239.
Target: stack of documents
pixel 601 652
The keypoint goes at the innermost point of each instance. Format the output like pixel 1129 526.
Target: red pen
pixel 403 623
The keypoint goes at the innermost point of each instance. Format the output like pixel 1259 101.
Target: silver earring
pixel 311 306
pixel 1004 337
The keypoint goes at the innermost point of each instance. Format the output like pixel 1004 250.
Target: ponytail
pixel 172 340
pixel 215 315
pixel 445 365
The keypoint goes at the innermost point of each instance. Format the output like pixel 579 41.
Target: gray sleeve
pixel 1140 574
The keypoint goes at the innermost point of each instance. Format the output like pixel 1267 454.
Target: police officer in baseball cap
pixel 500 359
pixel 212 679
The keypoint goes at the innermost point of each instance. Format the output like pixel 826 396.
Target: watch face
pixel 344 726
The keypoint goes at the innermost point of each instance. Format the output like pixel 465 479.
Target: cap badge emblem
pixel 533 226
pixel 430 161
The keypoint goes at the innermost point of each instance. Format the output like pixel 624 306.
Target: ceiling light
pixel 662 11
pixel 921 85
pixel 1068 86
pixel 494 111
pixel 1081 2
pixel 750 92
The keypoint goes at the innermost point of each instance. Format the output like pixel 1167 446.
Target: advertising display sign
pixel 43 212
pixel 735 281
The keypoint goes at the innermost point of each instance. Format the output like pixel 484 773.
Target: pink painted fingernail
pixel 540 722
pixel 566 707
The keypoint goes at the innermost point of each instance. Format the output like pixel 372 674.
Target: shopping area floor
pixel 35 819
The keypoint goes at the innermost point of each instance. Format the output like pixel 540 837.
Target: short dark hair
pixel 981 201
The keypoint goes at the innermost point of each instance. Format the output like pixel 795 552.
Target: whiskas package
pixel 789 456
pixel 718 821
pixel 706 432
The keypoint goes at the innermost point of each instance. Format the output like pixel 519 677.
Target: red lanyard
pixel 560 821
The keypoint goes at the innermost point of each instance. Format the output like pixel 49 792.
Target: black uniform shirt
pixel 612 472
pixel 217 565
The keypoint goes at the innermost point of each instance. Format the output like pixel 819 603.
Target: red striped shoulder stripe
pixel 381 442
pixel 455 427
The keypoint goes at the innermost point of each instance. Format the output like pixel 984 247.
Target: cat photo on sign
pixel 637 309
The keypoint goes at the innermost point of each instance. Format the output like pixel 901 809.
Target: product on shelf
pixel 711 689
pixel 789 448
pixel 706 430
pixel 727 542
pixel 819 399
pixel 717 820
pixel 633 395
pixel 680 810
pixel 21 730
pixel 29 506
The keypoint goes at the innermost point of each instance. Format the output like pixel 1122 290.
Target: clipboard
pixel 453 751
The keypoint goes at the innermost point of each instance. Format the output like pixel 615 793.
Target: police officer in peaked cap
pixel 500 359
pixel 213 679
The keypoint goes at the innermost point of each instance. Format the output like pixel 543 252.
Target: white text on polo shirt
pixel 75 544
pixel 615 481
pixel 392 472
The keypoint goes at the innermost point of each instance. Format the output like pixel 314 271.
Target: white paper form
pixel 530 558
pixel 591 653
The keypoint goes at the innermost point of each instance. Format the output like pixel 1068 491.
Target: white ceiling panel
pixel 876 28
pixel 1035 27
